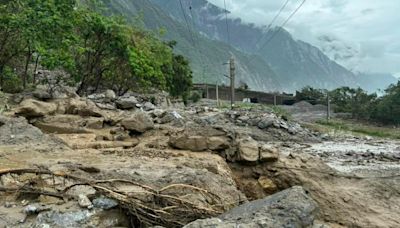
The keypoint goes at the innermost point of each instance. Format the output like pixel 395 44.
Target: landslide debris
pixel 164 164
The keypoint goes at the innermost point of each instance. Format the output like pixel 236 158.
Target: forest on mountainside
pixel 94 50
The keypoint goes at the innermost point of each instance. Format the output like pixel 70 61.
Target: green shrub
pixel 195 97
pixel 12 83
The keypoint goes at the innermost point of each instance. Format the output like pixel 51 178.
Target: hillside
pixel 297 63
pixel 207 56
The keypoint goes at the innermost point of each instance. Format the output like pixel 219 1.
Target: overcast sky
pixel 363 35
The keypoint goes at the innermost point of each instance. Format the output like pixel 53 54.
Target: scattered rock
pixel 104 203
pixel 84 201
pixel 35 208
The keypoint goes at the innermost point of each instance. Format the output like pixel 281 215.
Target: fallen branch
pixel 168 208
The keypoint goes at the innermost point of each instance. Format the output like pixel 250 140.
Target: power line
pixel 272 21
pixel 227 24
pixel 279 29
pixel 187 23
pixel 198 41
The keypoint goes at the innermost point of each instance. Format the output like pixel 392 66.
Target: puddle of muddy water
pixel 358 156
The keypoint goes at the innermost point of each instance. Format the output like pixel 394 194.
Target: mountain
pixel 285 64
pixel 374 82
pixel 207 56
pixel 297 63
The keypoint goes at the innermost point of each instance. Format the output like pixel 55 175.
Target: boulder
pixel 30 108
pixel 148 106
pixel 269 153
pixel 110 95
pixel 82 107
pixel 194 143
pixel 96 96
pixel 266 122
pixel 126 102
pixel 104 203
pixel 267 185
pixel 248 150
pixel 289 208
pixel 41 94
pixel 200 139
pixel 139 122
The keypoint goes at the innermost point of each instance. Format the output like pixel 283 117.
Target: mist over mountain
pixel 374 82
pixel 283 64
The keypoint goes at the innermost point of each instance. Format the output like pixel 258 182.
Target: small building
pixel 209 91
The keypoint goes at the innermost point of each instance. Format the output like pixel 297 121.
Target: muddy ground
pixel 238 156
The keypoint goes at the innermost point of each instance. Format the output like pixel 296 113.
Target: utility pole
pixel 232 77
pixel 274 99
pixel 217 94
pixel 328 107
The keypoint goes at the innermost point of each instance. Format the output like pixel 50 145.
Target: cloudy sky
pixel 363 35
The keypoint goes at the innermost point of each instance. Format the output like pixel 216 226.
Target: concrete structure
pixel 209 91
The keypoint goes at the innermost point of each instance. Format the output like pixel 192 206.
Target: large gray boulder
pixel 126 102
pixel 288 208
pixel 139 122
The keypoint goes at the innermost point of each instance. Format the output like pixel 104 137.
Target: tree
pixel 103 45
pixel 180 81
pixel 311 95
pixel 355 101
pixel 387 109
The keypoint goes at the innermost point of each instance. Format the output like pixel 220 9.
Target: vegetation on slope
pixel 96 50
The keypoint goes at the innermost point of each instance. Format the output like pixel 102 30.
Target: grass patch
pixel 361 128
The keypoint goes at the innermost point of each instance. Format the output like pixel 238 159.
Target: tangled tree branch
pixel 169 206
